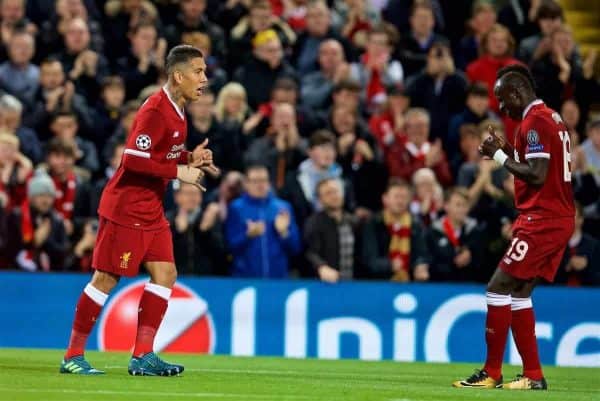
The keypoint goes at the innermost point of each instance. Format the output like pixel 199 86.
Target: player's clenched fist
pixel 191 175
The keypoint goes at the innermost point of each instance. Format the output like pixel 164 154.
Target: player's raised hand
pixel 202 158
pixel 491 144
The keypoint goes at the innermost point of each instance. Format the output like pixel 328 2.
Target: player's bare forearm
pixel 533 172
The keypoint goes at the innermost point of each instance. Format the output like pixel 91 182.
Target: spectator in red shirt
pixel 497 49
pixel 404 158
pixel 388 126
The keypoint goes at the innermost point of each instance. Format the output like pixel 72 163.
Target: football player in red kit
pixel 541 164
pixel 133 228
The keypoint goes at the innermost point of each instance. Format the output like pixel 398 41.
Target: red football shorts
pixel 537 247
pixel 120 250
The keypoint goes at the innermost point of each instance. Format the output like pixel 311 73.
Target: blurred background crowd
pixel 347 131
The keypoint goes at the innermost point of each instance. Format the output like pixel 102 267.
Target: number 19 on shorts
pixel 517 251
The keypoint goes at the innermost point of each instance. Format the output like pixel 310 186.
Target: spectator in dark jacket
pixel 360 158
pixel 84 66
pixel 260 230
pixel 414 46
pixel 476 110
pixel 549 18
pixel 64 125
pixel 482 19
pixel 260 17
pixel 393 241
pixel 108 109
pixel 39 242
pixel 454 241
pixel 56 94
pixel 558 71
pixel 198 243
pixel 281 150
pixel 331 236
pixel 112 164
pixel 317 86
pixel 192 17
pixel 146 58
pixel 581 263
pixel 318 30
pixel 440 89
pixel 224 141
pixel 267 64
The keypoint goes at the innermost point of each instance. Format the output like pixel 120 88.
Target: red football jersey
pixel 542 133
pixel 133 197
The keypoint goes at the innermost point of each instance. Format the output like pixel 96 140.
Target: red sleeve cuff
pixel 184 158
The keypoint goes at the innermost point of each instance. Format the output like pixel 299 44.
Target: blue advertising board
pixel 366 320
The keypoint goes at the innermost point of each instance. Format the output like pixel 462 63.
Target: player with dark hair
pixel 132 227
pixel 541 165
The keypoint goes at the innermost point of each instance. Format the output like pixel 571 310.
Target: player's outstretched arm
pixel 533 172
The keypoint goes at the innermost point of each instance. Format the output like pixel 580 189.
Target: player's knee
pixel 104 281
pixel 500 283
pixel 166 277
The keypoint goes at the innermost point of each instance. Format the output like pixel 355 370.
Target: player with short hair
pixel 133 228
pixel 541 165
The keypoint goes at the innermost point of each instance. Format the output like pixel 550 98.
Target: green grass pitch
pixel 31 374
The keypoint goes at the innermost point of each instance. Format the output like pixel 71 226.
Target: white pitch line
pixel 157 393
pixel 288 372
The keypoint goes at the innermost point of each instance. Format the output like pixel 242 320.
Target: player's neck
pixel 175 95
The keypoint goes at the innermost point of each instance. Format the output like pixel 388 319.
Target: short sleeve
pixel 146 133
pixel 537 139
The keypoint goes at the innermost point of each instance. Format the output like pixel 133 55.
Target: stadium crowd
pixel 347 132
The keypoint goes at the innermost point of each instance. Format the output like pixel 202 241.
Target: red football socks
pixel 496 332
pixel 153 306
pixel 523 330
pixel 86 313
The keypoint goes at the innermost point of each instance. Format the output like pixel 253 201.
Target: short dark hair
pixel 50 60
pixel 63 113
pixel 144 23
pixel 459 191
pixel 477 89
pixel 321 137
pixel 347 84
pixel 59 146
pixel 181 54
pixel 521 71
pixel 255 166
pixel 388 30
pixel 112 80
pixel 287 84
pixel 425 4
pixel 396 182
pixel 549 9
pixel 593 124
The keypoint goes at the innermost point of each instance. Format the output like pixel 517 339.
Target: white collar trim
pixel 177 109
pixel 534 103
